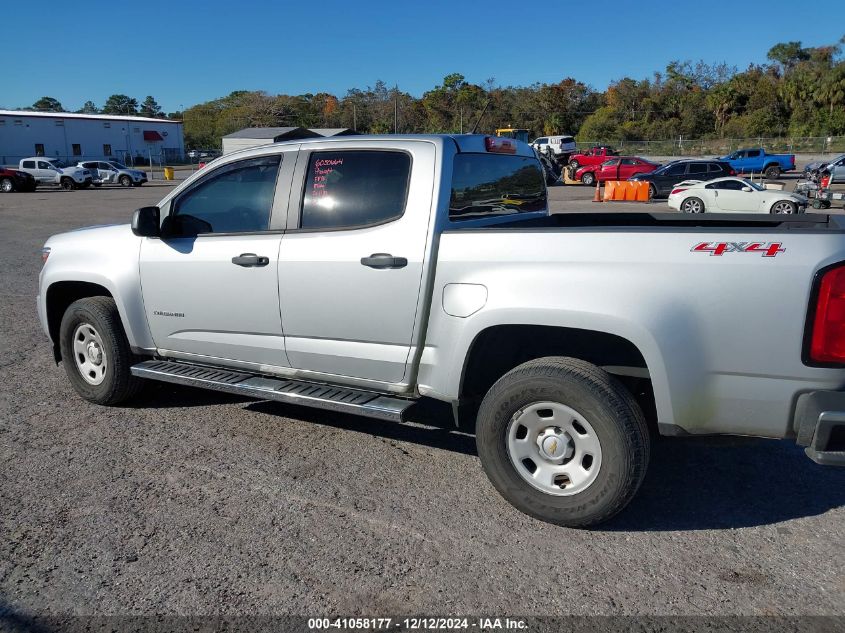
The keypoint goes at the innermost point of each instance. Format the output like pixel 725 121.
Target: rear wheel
pixel 96 352
pixel 772 171
pixel 98 184
pixel 563 441
pixel 6 185
pixel 692 205
pixel 588 179
pixel 784 207
pixel 574 164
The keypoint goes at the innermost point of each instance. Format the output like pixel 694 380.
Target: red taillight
pixel 828 342
pixel 732 172
pixel 500 145
pixel 679 190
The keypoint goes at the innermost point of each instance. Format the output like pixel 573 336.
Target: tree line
pixel 800 91
pixel 115 104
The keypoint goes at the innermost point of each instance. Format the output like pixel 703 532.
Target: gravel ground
pixel 191 502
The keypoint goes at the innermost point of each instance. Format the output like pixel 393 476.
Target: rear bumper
pixel 820 426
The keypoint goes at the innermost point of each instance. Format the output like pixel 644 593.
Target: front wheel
pixel 692 205
pixel 126 181
pixel 652 191
pixel 588 179
pixel 6 185
pixel 67 184
pixel 96 353
pixel 784 207
pixel 563 441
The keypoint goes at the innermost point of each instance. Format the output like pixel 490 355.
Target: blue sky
pixel 185 52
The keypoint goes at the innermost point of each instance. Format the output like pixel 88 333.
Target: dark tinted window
pixel 236 198
pixel 753 153
pixel 697 168
pixel 492 184
pixel 732 185
pixel 29 164
pixel 675 170
pixel 715 167
pixel 344 189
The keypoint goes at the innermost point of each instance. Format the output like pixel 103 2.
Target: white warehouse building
pixel 73 137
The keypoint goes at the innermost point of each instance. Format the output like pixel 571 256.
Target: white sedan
pixel 733 195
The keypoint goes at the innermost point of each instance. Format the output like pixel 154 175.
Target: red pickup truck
pixel 593 156
pixel 616 168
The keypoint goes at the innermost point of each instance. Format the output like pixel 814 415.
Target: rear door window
pixel 491 184
pixel 697 169
pixel 29 164
pixel 354 188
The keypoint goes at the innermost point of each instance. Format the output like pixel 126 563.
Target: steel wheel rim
pixel 89 353
pixel 554 448
pixel 692 206
pixel 782 207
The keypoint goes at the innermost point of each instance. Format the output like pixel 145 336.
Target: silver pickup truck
pixel 363 274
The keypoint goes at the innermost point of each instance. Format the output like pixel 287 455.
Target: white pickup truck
pixel 56 172
pixel 364 274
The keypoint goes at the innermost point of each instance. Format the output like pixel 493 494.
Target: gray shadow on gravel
pixel 702 483
pixel 726 482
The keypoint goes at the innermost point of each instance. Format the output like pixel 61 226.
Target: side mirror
pixel 747 189
pixel 146 222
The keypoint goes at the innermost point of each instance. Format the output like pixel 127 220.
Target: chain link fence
pixel 721 147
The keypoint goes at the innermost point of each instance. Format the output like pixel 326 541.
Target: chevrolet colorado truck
pixel 757 161
pixel 365 274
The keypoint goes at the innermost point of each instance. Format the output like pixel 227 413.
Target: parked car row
pixel 43 170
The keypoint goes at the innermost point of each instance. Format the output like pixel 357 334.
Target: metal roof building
pixel 255 136
pixel 72 137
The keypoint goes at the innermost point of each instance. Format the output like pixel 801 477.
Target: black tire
pixel 690 203
pixel 652 191
pixel 614 415
pixel 589 179
pixel 67 184
pixel 7 185
pixel 772 171
pixel 118 384
pixel 125 181
pixel 97 184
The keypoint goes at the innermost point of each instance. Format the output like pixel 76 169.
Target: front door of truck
pixel 350 273
pixel 210 284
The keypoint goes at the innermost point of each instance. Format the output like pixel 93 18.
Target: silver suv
pixel 106 172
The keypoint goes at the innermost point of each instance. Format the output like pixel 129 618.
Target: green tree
pixel 48 104
pixel 88 108
pixel 120 104
pixel 150 108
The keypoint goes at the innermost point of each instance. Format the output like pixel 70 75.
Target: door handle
pixel 384 260
pixel 250 259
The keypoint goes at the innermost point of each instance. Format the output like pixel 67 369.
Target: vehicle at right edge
pixel 734 195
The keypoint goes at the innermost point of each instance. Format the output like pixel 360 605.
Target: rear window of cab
pixel 492 184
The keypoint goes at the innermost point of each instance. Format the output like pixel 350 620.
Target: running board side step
pixel 309 394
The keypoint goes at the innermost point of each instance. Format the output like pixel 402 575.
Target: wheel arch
pixel 59 296
pixel 497 349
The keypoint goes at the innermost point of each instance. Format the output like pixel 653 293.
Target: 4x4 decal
pixel 767 249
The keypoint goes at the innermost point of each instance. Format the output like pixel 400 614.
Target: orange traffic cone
pixel 597 196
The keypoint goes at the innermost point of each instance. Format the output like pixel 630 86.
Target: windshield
pixel 662 170
pixel 754 185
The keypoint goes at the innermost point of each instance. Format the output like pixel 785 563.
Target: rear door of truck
pixel 353 258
